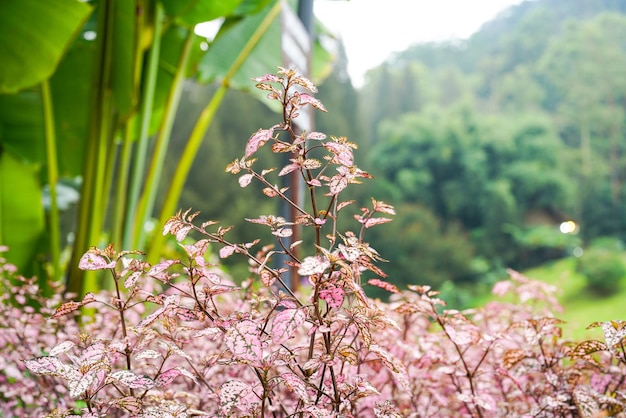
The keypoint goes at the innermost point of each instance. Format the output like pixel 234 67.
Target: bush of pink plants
pixel 181 339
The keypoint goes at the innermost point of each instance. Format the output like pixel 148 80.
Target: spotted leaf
pixel 244 341
pixel 285 324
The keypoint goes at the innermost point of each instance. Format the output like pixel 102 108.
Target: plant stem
pixel 147 105
pixel 204 121
pixel 53 178
pixel 146 204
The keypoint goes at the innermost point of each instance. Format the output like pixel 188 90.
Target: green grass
pixel 581 307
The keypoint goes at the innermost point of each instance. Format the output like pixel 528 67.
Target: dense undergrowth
pixel 179 338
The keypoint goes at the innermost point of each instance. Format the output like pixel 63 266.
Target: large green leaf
pixel 191 12
pixel 249 7
pixel 21 213
pixel 21 126
pixel 228 44
pixel 124 47
pixel 33 38
pixel 71 87
pixel 267 54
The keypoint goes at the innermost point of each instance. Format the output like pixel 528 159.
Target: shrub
pixel 180 339
pixel 602 265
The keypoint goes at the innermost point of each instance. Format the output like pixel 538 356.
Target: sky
pixel 373 29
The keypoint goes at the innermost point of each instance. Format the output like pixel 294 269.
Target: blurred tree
pixel 341 99
pixel 420 250
pixel 476 171
pixel 590 99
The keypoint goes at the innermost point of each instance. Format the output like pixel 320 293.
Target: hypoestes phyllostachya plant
pixel 181 339
pixel 254 349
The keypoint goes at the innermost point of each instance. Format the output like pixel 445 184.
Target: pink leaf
pixel 337 184
pixel 288 169
pixel 244 341
pixel 270 192
pixel 342 152
pixel 267 278
pixel 308 99
pixel 316 135
pixel 227 251
pixel 285 324
pixel 375 221
pixel 257 140
pixel 182 232
pixel 396 367
pixel 132 278
pixel 162 266
pixel 268 78
pixel 502 288
pixel 128 403
pixel 61 348
pixel 173 348
pixel 382 207
pixel 150 318
pixel 297 386
pixel 460 337
pixel 333 296
pixel 311 164
pixel 167 377
pixel 317 412
pixel 47 366
pixel 233 394
pixel 92 355
pixel 261 220
pixel 313 265
pixel 67 308
pixel 91 261
pixel 383 285
pixel 145 354
pixel 219 289
pixel 283 232
pixel 245 180
pixel 131 380
pixel 80 385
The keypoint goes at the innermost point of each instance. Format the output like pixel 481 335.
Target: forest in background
pixel 485 146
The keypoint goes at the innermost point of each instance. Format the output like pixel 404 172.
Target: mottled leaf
pixel 257 140
pixel 61 348
pixel 370 222
pixel 145 354
pixel 337 183
pixel 91 261
pixel 79 386
pixel 383 285
pixel 297 386
pixel 588 347
pixel 131 380
pixel 244 341
pixel 150 318
pixel 232 394
pixel 512 357
pixel 47 366
pixel 285 324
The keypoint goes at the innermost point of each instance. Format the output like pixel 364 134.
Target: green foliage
pixel 475 171
pixel 30 56
pixel 421 250
pixel 603 266
pixel 110 87
pixel 523 118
